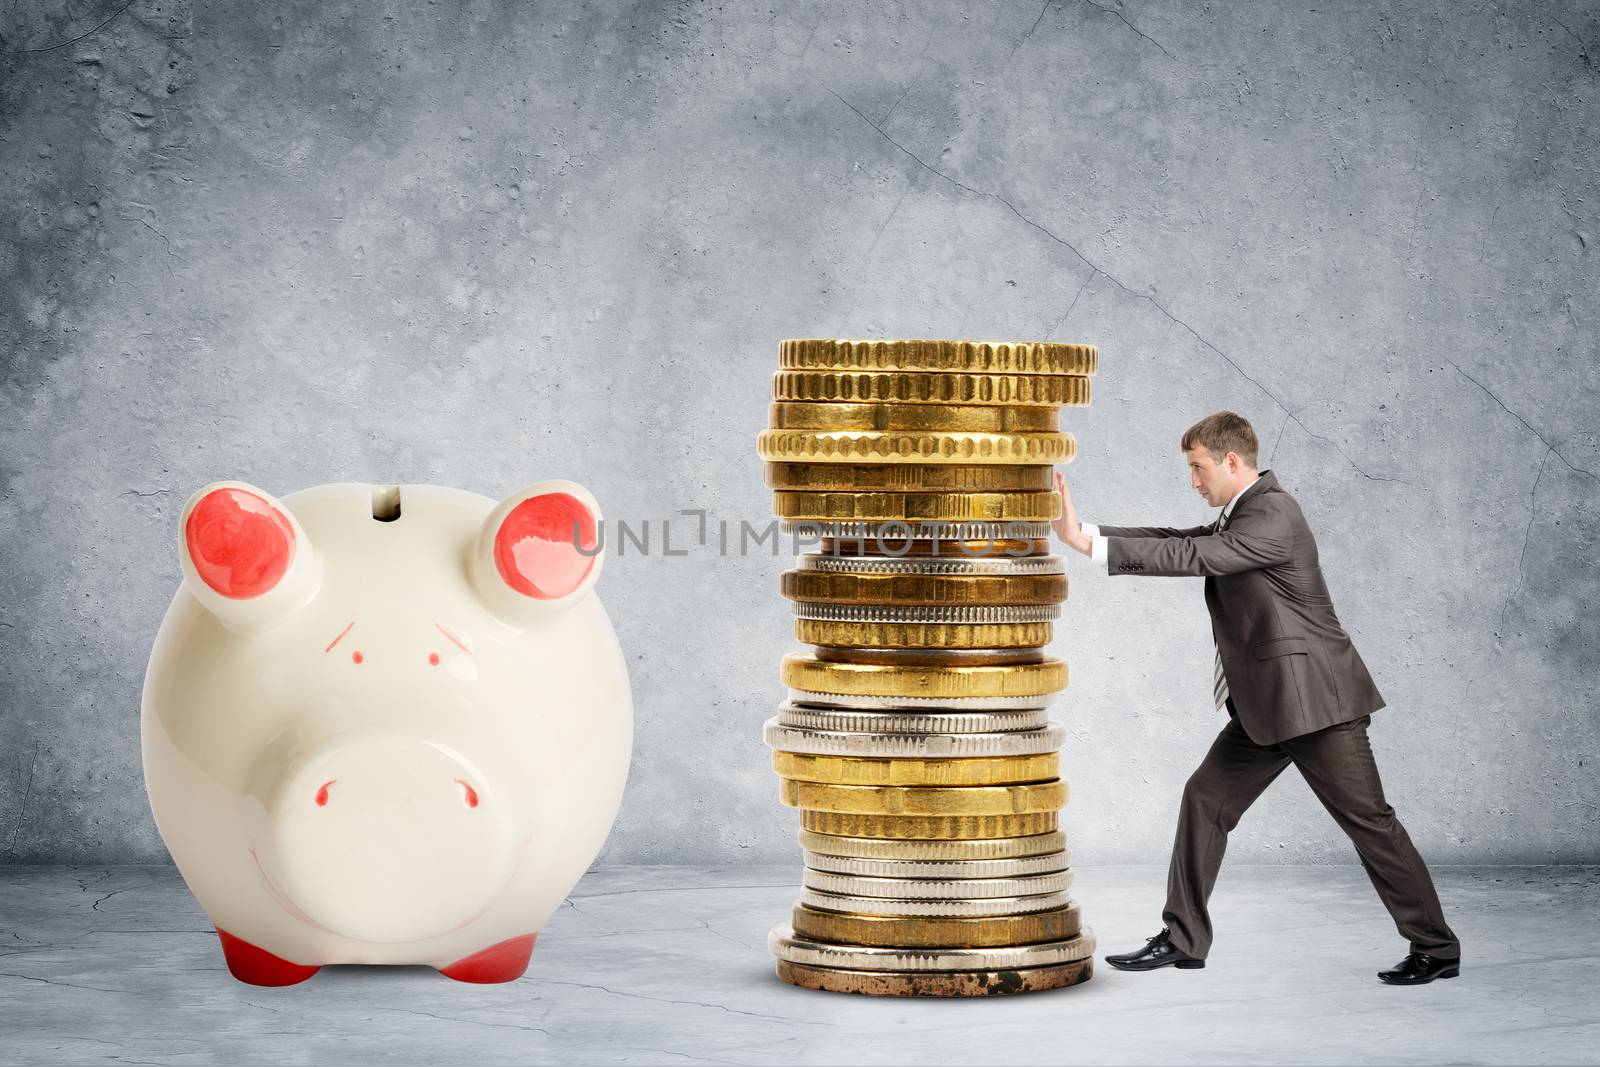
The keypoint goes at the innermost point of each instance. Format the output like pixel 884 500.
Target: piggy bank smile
pixel 358 728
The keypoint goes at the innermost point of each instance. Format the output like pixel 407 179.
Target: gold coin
pixel 911 446
pixel 916 507
pixel 985 418
pixel 924 800
pixel 912 477
pixel 801 671
pixel 924 827
pixel 981 770
pixel 900 931
pixel 936 983
pixel 847 588
pixel 923 634
pixel 930 387
pixel 931 657
pixel 988 357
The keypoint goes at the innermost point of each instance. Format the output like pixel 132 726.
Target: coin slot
pixel 386 502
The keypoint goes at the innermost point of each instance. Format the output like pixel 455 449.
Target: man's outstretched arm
pixel 1149 531
pixel 1091 539
pixel 1258 537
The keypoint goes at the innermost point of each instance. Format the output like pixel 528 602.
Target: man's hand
pixel 1066 526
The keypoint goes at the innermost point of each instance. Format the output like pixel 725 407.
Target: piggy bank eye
pixel 536 549
pixel 240 544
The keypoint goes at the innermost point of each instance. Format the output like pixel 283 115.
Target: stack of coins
pixel 916 740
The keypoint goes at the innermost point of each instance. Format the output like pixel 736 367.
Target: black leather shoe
pixel 1419 967
pixel 1158 951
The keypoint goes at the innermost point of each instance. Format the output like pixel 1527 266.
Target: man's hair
pixel 1222 433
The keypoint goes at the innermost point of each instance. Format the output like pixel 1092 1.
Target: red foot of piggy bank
pixel 257 966
pixel 505 962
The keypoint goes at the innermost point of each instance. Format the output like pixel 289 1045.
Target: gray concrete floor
pixel 669 965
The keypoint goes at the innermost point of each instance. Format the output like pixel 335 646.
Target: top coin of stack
pixel 915 740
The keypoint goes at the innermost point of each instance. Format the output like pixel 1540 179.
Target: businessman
pixel 1295 690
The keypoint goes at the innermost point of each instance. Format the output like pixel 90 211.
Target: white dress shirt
pixel 1098 550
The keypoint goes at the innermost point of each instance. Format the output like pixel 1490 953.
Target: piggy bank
pixel 385 724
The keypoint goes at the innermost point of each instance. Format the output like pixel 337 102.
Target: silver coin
pixel 1003 565
pixel 850 721
pixel 894 534
pixel 932 614
pixel 811 698
pixel 942 870
pixel 816 898
pixel 927 746
pixel 836 846
pixel 855 885
pixel 785 944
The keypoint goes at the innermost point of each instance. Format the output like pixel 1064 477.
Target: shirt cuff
pixel 1089 528
pixel 1100 551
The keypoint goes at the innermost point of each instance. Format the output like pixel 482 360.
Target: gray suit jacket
pixel 1291 667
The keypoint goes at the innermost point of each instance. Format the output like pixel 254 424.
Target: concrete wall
pixel 477 244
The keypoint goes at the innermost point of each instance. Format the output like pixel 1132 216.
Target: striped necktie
pixel 1219 681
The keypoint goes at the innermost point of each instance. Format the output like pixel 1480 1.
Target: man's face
pixel 1211 479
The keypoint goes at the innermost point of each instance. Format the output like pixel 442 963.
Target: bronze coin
pixel 970 549
pixel 910 477
pixel 936 983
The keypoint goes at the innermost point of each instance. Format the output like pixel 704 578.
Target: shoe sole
pixel 1454 972
pixel 1184 965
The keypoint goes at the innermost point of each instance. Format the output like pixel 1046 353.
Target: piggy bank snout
pixel 386 839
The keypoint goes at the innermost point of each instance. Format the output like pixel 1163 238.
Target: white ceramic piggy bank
pixel 385 724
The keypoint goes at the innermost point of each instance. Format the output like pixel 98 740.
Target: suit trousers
pixel 1337 764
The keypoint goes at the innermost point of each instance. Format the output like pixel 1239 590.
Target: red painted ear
pixel 536 547
pixel 240 544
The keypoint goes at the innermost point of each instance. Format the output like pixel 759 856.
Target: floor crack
pixel 471 1022
pixel 669 1000
pixel 1042 12
pixel 82 36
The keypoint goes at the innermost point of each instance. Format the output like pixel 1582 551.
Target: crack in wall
pixel 1093 274
pixel 1533 501
pixel 22 809
pixel 1131 26
pixel 1542 438
pixel 1583 47
pixel 1279 441
pixel 1114 280
pixel 876 237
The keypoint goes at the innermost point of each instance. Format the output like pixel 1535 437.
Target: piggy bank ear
pixel 245 557
pixel 539 552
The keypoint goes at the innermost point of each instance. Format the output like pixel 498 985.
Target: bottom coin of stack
pixel 929 794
